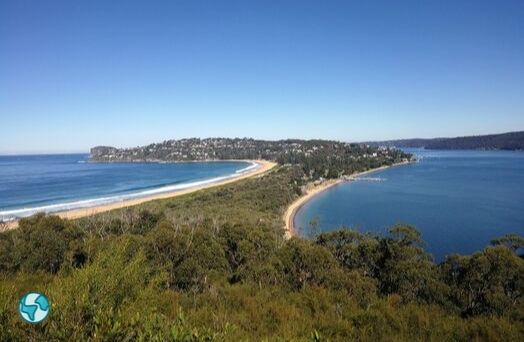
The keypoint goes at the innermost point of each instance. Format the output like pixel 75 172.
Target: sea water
pixel 458 200
pixel 50 183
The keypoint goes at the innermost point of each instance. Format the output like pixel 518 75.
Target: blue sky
pixel 74 74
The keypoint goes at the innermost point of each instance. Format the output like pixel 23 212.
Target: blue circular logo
pixel 34 307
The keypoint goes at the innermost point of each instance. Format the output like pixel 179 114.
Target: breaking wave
pixel 9 215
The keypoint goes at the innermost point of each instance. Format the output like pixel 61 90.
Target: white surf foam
pixel 250 167
pixel 10 215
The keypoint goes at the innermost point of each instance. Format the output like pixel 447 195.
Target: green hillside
pixel 213 265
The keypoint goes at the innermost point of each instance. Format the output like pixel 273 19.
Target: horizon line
pixel 58 152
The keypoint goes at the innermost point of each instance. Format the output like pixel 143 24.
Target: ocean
pixel 458 200
pixel 51 183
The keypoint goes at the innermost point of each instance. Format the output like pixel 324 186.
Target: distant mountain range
pixel 505 141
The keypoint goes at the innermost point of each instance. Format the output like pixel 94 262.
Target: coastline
pixel 314 190
pixel 263 166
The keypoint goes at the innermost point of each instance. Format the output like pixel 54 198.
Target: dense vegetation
pixel 505 141
pixel 318 158
pixel 213 265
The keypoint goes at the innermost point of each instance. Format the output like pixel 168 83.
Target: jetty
pixel 369 179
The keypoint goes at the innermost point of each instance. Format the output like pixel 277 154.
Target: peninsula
pixel 323 163
pixel 319 159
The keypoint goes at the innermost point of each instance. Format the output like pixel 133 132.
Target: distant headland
pixel 318 158
pixel 506 141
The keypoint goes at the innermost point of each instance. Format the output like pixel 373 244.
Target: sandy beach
pixel 263 166
pixel 313 190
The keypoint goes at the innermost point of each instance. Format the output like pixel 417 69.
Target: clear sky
pixel 79 73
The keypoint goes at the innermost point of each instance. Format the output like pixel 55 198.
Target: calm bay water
pixel 459 200
pixel 56 182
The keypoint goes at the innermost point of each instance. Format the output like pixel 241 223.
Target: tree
pixel 512 241
pixel 353 250
pixel 488 282
pixel 41 243
pixel 407 235
pixel 246 249
pixel 189 256
pixel 314 227
pixel 406 269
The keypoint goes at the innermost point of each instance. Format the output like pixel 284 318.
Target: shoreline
pixel 314 190
pixel 263 166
